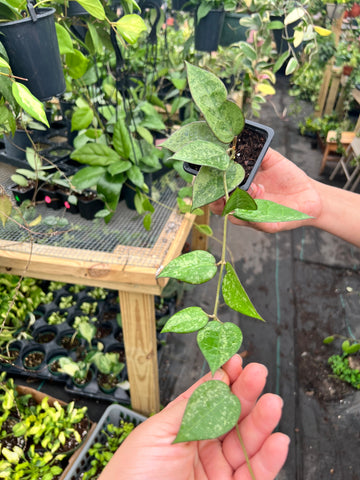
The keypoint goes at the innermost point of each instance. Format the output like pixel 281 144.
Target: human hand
pixel 280 181
pixel 149 454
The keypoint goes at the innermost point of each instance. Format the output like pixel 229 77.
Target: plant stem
pixel 252 475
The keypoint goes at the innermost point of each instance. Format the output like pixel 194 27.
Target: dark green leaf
pixel 87 177
pixel 95 154
pixel 211 411
pixel 235 296
pixel 195 267
pixel 121 139
pixel 239 199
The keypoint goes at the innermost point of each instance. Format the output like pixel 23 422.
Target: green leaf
pixel 195 267
pixel 87 177
pixel 147 221
pixel 5 208
pixel 95 154
pixel 203 153
pixel 121 139
pixel 64 39
pixel 130 27
pixel 110 187
pixel 76 63
pixel 235 296
pixel 29 103
pixel 210 95
pixel 211 411
pixel 81 118
pixel 191 132
pixel 268 211
pixel 208 185
pixel 135 175
pixel 291 66
pixel 119 167
pixel 248 50
pixel 329 339
pixel 188 320
pixel 239 199
pixel 280 61
pixel 218 342
pixel 204 229
pixel 94 7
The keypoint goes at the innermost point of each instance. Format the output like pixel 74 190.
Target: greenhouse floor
pixel 306 285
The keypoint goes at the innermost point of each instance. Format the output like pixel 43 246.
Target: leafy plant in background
pixel 347 365
pixel 208 144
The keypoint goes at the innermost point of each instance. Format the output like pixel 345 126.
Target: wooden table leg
pixel 199 241
pixel 139 328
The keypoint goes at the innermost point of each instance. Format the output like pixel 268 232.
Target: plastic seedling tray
pixel 112 415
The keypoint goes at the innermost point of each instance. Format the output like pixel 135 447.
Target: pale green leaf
pixel 211 411
pixel 81 118
pixel 204 229
pixel 218 342
pixel 5 208
pixel 64 39
pixel 235 296
pixel 191 132
pixel 248 50
pixel 203 153
pixel 268 211
pixel 209 186
pixel 194 267
pixel 295 15
pixel 94 7
pixel 291 66
pixel 188 320
pixel 130 27
pixel 29 103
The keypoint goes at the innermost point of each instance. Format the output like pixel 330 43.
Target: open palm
pixel 148 453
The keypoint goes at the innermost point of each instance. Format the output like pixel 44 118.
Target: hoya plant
pixel 209 144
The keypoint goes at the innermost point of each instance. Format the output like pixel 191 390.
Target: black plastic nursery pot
pixel 22 193
pixel 232 31
pixel 89 204
pixel 252 144
pixel 208 30
pixel 16 145
pixel 32 47
pixel 182 5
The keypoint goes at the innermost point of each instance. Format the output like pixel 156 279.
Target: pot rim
pixel 42 12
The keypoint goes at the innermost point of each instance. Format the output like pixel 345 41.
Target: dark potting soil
pixel 33 359
pixel 248 148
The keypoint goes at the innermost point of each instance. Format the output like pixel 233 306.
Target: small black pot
pixel 182 5
pixel 22 193
pixel 89 205
pixel 52 197
pixel 265 132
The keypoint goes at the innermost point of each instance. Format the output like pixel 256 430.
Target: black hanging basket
pixel 208 30
pixel 32 47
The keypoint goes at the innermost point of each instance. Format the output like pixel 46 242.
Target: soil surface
pixel 248 148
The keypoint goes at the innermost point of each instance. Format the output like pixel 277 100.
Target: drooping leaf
pixel 194 267
pixel 95 154
pixel 191 133
pixel 5 208
pixel 136 176
pixel 121 139
pixel 218 342
pixel 294 15
pixel 64 39
pixel 235 296
pixel 208 185
pixel 239 199
pixel 188 320
pixel 130 27
pixel 210 95
pixel 29 103
pixel 281 60
pixel 110 186
pixel 323 32
pixel 211 411
pixel 204 229
pixel 203 153
pixel 268 211
pixel 291 66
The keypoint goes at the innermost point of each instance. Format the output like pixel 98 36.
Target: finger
pixel 233 367
pixel 268 461
pixel 213 461
pixel 254 429
pixel 249 385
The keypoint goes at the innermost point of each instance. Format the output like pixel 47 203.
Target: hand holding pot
pixel 333 209
pixel 148 453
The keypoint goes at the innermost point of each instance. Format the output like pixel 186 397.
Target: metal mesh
pixel 85 237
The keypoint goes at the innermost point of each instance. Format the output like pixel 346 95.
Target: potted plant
pixel 212 143
pixel 335 9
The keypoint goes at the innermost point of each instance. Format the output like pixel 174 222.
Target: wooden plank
pixel 139 328
pixel 324 90
pixel 199 241
pixel 333 92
